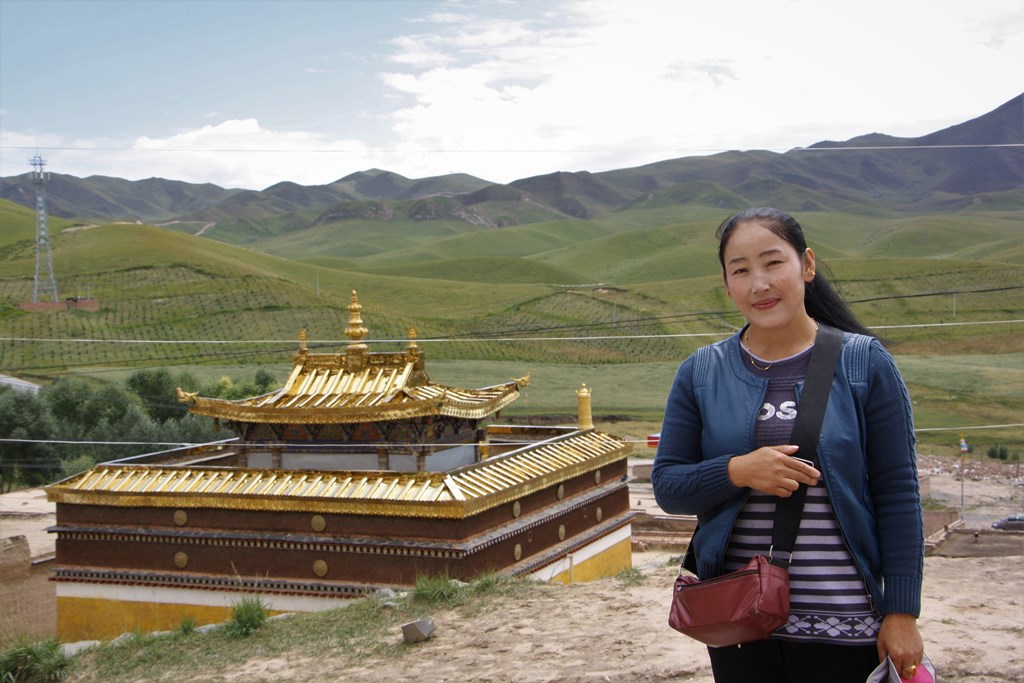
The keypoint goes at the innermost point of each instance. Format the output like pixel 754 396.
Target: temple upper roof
pixel 356 386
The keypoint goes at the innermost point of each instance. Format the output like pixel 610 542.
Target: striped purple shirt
pixel 828 599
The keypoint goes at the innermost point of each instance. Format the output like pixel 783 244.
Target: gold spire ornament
pixel 355 331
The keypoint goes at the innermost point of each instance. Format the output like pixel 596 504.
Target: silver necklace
pixel 750 353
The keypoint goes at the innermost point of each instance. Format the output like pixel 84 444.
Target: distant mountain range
pixel 962 166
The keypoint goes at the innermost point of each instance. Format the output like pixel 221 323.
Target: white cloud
pixel 612 84
pixel 510 90
pixel 234 153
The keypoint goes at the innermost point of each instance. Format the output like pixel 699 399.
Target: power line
pixel 696 316
pixel 402 444
pixel 104 443
pixel 504 150
pixel 456 339
pixel 964 429
pixel 986 290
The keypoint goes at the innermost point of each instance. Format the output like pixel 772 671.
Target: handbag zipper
pixel 730 575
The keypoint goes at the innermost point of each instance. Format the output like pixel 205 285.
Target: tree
pixel 263 379
pixel 25 422
pixel 66 399
pixel 108 403
pixel 192 429
pixel 134 426
pixel 158 391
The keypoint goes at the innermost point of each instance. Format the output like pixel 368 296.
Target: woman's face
pixel 765 276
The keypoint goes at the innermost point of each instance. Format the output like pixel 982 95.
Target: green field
pixel 615 302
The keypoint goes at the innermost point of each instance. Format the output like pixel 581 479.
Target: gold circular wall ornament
pixel 597 476
pixel 517 509
pixel 517 552
pixel 318 523
pixel 561 491
pixel 561 532
pixel 180 560
pixel 320 568
pixel 180 517
pixel 598 514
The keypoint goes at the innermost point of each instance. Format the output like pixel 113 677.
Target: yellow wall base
pixel 95 618
pixel 101 619
pixel 608 562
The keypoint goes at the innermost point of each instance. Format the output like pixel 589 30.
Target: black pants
pixel 780 661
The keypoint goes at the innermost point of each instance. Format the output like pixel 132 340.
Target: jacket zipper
pixel 849 550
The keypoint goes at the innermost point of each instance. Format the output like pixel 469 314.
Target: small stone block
pixel 418 631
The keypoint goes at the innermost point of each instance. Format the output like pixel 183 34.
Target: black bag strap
pixel 806 429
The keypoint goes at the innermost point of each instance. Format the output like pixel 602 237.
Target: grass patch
pixel 932 504
pixel 187 626
pixel 34 662
pixel 630 576
pixel 366 627
pixel 439 591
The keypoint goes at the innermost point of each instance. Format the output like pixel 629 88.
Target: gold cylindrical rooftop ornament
pixel 586 419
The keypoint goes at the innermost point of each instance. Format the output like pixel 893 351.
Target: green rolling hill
pixel 561 275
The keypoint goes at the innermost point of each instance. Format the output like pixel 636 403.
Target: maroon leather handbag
pixel 750 604
pixel 738 607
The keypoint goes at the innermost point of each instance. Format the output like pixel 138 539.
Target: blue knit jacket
pixel 866 455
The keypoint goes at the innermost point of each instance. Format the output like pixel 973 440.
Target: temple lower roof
pixel 456 494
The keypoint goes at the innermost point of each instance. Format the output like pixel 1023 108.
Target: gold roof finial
pixel 412 338
pixel 355 330
pixel 303 340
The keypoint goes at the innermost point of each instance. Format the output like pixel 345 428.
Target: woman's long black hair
pixel 821 301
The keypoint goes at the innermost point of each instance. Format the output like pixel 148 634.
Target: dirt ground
pixel 616 630
pixel 610 630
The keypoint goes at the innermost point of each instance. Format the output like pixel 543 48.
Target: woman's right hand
pixel 772 470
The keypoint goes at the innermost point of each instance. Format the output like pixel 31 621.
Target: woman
pixel 724 455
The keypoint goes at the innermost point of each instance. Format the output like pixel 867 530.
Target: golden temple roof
pixel 357 386
pixel 456 494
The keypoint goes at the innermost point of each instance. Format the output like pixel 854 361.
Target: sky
pixel 248 93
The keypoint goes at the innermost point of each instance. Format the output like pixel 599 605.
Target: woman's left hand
pixel 900 640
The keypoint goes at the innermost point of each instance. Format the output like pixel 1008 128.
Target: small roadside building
pixel 360 473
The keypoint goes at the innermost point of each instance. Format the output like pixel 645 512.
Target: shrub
pixel 999 452
pixel 247 616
